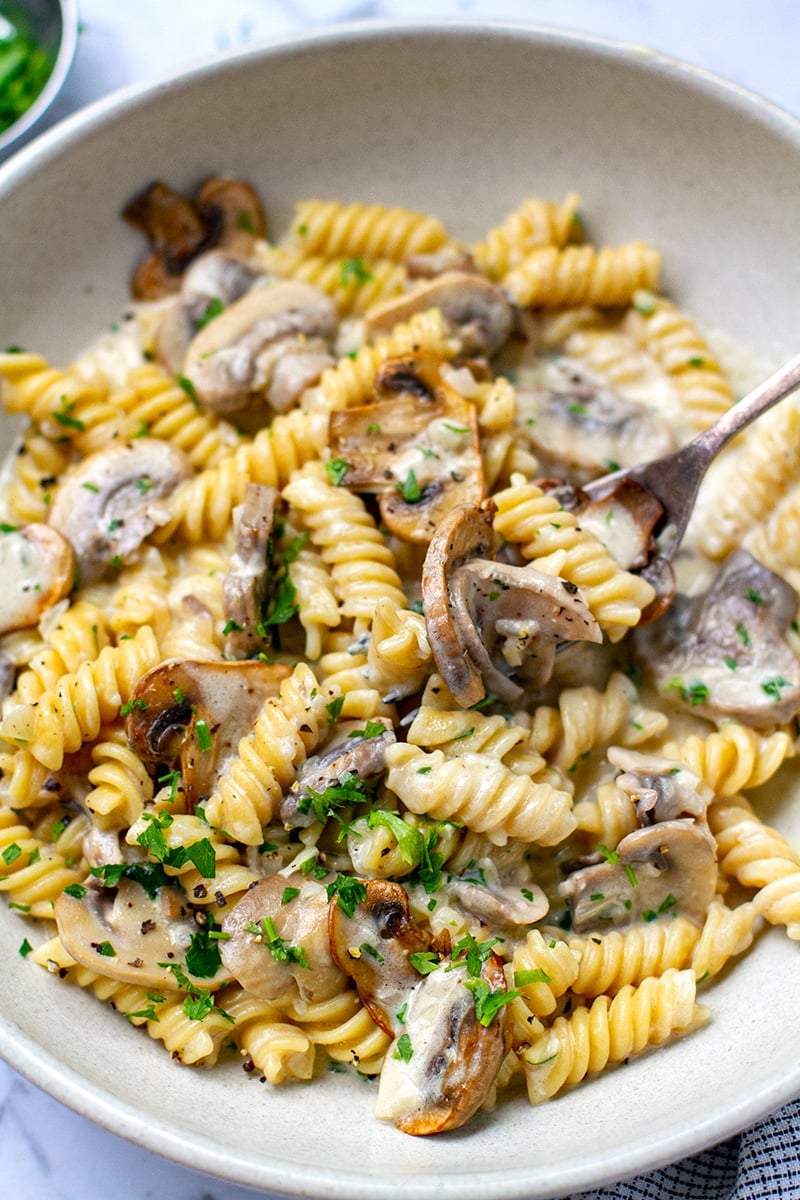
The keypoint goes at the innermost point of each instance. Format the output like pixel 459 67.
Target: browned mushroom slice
pixel 245 588
pixel 442 1065
pixel 497 903
pixel 347 763
pixel 214 281
pixel 128 935
pixel 574 420
pixel 193 714
pixel 416 447
pixel 660 788
pixel 277 939
pixel 37 569
pixel 176 231
pixel 232 212
pixel 489 620
pixel 670 867
pixel 724 654
pixel 477 311
pixel 373 947
pixel 242 351
pixel 109 503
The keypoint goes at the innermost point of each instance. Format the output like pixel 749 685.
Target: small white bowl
pixel 54 25
pixel 463 121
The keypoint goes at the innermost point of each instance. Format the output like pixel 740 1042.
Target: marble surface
pixel 46 1150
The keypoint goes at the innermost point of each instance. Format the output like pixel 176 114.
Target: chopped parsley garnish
pixel 203 957
pixel 667 903
pixel 204 739
pixel 186 384
pixel 213 309
pixel 354 270
pixel 11 854
pixel 199 1002
pixel 751 594
pixel 231 627
pixel 459 737
pixel 410 842
pixel 143 486
pixel 409 489
pixel 403 1050
pixel 629 871
pixel 373 427
pixel 76 890
pixel 334 709
pixel 372 952
pixel 472 954
pixel 349 893
pixel 336 469
pixel 730 662
pixel 691 693
pixel 131 706
pixel 279 948
pixel 456 428
pixel 611 856
pixel 351 789
pixel 289 893
pixel 772 687
pixel 150 876
pixel 371 729
pixel 91 487
pixel 401 1013
pixel 487 1002
pixel 201 853
pixel 532 975
pixel 105 949
pixel 25 948
pixel 424 961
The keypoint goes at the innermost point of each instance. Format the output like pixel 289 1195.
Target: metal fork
pixel 674 479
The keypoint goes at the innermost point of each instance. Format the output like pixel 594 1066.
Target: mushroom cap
pixel 38 568
pixel 478 311
pixel 454 1058
pixel 176 231
pixel 465 533
pixel 233 356
pixel 373 946
pixel 489 620
pixel 232 212
pixel 169 701
pixel 661 788
pixel 143 932
pixel 724 654
pixel 667 867
pixel 364 758
pixel 106 505
pixel 416 446
pixel 245 587
pixel 297 906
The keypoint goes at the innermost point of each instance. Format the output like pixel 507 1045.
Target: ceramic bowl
pixel 462 121
pixel 53 24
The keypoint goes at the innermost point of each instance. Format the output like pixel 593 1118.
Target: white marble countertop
pixel 46 1150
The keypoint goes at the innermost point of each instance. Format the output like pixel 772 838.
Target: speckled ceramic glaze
pixel 463 121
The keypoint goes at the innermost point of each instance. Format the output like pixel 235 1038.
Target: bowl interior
pixel 463 122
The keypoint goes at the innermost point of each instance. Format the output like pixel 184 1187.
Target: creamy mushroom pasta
pixel 340 726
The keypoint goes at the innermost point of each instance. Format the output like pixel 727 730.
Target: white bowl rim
pixel 298 1179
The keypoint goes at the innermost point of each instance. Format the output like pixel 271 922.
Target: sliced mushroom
pixel 108 504
pixel 660 788
pixel 373 947
pixel 724 654
pixel 245 588
pixel 348 759
pixel 670 867
pixel 291 950
pixel 477 311
pixel 489 620
pixel 214 281
pixel 193 714
pixel 232 213
pixel 241 352
pixel 176 231
pixel 416 447
pixel 574 421
pixel 444 1070
pixel 128 935
pixel 438 262
pixel 37 568
pixel 497 903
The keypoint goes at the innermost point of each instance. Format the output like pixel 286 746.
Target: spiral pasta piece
pixel 758 856
pixel 201 509
pixel 317 606
pixel 33 872
pixel 457 731
pixel 286 731
pixel 335 230
pixel 361 562
pixel 344 1029
pixel 589 718
pixel 535 223
pixel 673 342
pixel 610 1031
pixel 733 757
pixel 66 407
pixel 552 539
pixel 399 655
pixel 481 793
pixel 614 960
pixel 36 469
pixel 73 712
pixel 550 277
pixel 78 635
pixel 727 932
pixel 607 816
pixel 120 783
pixel 354 285
pixel 544 969
pixel 158 407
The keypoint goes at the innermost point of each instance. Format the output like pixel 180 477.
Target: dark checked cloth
pixel 763 1163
